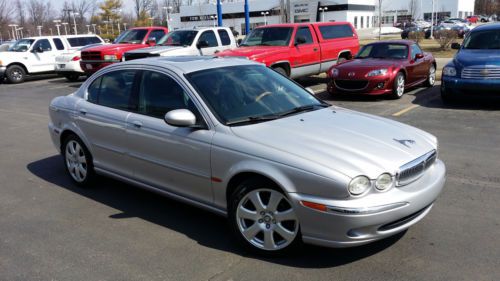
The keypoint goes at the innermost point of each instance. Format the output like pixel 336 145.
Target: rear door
pixel 335 39
pixel 226 40
pixel 305 52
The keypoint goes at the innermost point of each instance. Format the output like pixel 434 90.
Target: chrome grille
pixel 415 169
pixel 90 56
pixel 488 72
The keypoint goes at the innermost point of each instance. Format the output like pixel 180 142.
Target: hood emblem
pixel 405 142
pixel 485 72
pixel 351 74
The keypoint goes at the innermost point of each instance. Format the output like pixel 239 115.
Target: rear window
pixel 83 41
pixel 336 31
pixel 58 43
pixel 224 37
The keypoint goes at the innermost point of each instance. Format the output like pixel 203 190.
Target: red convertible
pixel 383 68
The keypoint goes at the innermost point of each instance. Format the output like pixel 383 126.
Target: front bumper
pixel 472 87
pixel 2 71
pixel 372 87
pixel 90 67
pixel 355 222
pixel 68 67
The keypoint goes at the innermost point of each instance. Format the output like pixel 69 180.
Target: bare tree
pixel 5 12
pixel 142 6
pixel 21 16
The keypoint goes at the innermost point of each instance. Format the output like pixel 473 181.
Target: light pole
pixel 124 26
pixel 88 28
pixel 39 27
pixel 168 9
pixel 213 19
pixel 21 32
pixel 74 21
pixel 50 29
pixel 118 24
pixel 106 23
pixel 57 22
pixel 323 10
pixel 432 21
pixel 379 20
pixel 14 33
pixel 65 28
pixel 93 26
pixel 265 16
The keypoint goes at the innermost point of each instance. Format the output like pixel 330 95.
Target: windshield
pixel 383 51
pixel 269 36
pixel 132 36
pixel 178 38
pixel 239 95
pixel 488 39
pixel 22 45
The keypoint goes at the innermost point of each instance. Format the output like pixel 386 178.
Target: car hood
pixel 466 58
pixel 156 49
pixel 348 142
pixel 254 52
pixel 115 48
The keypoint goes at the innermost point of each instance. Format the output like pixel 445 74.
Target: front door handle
pixel 137 124
pixel 83 111
pixel 315 49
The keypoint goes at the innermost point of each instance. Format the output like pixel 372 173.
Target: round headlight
pixel 383 182
pixel 359 185
pixel 449 71
pixel 335 72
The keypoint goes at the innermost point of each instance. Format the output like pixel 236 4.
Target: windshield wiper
pixel 303 108
pixel 253 119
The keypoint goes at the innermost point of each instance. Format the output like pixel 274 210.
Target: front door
pixel 418 66
pixel 176 159
pixel 42 56
pixel 305 54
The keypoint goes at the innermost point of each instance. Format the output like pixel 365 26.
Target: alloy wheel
pixel 432 75
pixel 76 161
pixel 400 85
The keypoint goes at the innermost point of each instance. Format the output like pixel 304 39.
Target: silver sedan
pixel 238 139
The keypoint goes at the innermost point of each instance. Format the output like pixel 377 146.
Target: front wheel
pixel 263 219
pixel 398 89
pixel 15 74
pixel 431 78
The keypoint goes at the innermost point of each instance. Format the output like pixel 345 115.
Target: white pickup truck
pixel 188 42
pixel 37 55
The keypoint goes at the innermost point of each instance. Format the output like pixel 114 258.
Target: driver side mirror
pixel 202 44
pixel 151 41
pixel 38 49
pixel 239 41
pixel 455 46
pixel 180 118
pixel 419 56
pixel 300 40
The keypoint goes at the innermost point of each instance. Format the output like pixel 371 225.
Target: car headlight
pixel 110 57
pixel 377 72
pixel 359 185
pixel 334 72
pixel 383 182
pixel 449 71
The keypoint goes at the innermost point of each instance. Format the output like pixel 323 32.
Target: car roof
pixel 304 23
pixel 61 36
pixel 488 26
pixel 188 64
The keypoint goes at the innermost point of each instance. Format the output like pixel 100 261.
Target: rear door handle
pixel 83 111
pixel 137 124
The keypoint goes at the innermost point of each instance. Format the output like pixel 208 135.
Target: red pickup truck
pixel 98 57
pixel 299 49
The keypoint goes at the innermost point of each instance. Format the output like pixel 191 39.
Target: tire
pixel 341 60
pixel 72 77
pixel 431 78
pixel 15 74
pixel 398 89
pixel 78 161
pixel 262 218
pixel 280 70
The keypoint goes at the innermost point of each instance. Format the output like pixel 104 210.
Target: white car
pixel 68 64
pixel 188 42
pixel 37 55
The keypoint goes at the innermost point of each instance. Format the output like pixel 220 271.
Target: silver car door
pixel 102 118
pixel 172 158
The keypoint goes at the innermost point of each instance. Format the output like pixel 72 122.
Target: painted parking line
pixel 406 110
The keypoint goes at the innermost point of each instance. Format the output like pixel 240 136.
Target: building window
pixel 362 22
pixel 367 21
pixel 356 22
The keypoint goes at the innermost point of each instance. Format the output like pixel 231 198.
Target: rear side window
pixel 44 43
pixel 304 32
pixel 224 37
pixel 83 41
pixel 157 34
pixel 336 31
pixel 58 43
pixel 114 90
pixel 209 36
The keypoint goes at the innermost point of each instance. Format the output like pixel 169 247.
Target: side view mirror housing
pixel 455 46
pixel 38 49
pixel 419 56
pixel 202 44
pixel 180 118
pixel 151 41
pixel 239 41
pixel 300 40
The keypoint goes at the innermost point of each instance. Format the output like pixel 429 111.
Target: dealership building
pixel 361 13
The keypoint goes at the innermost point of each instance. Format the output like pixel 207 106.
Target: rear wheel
pixel 262 218
pixel 431 78
pixel 398 89
pixel 73 77
pixel 15 74
pixel 78 161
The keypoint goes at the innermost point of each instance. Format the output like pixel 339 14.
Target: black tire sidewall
pixel 72 77
pixel 88 157
pixel 8 74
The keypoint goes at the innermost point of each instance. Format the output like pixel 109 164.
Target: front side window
pixel 209 36
pixel 268 36
pixel 305 33
pixel 114 89
pixel 44 44
pixel 132 36
pixel 58 43
pixel 178 38
pixel 487 39
pixel 383 51
pixel 415 49
pixel 160 94
pixel 224 37
pixel 22 45
pixel 240 94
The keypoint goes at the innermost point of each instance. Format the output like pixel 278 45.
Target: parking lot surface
pixel 52 230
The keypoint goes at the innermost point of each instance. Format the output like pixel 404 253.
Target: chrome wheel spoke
pixel 82 171
pixel 250 232
pixel 287 215
pixel 269 240
pixel 256 201
pixel 274 200
pixel 285 233
pixel 244 213
pixel 81 159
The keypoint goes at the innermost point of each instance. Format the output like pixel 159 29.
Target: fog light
pixel 381 85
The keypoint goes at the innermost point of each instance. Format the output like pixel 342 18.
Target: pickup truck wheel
pixel 72 77
pixel 15 74
pixel 280 70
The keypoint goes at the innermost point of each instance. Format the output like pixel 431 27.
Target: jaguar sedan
pixel 236 138
pixel 383 68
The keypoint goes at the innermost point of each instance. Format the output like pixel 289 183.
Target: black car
pixel 406 31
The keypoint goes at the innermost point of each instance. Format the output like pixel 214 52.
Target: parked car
pixel 461 30
pixel 459 21
pixel 299 49
pixel 406 32
pixel 98 57
pixel 475 69
pixel 5 45
pixel 36 55
pixel 473 19
pixel 238 139
pixel 188 42
pixel 68 64
pixel 383 68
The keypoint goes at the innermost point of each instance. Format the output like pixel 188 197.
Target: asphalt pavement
pixel 52 230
